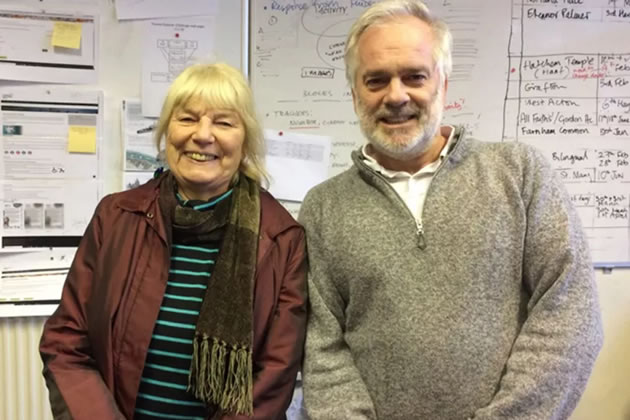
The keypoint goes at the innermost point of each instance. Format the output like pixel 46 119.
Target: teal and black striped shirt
pixel 162 393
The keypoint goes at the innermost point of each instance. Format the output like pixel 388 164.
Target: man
pixel 449 278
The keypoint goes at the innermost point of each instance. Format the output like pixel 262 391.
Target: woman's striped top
pixel 162 393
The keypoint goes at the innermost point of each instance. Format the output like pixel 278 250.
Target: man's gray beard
pixel 420 142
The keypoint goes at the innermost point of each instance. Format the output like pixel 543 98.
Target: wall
pixel 23 396
pixel 607 394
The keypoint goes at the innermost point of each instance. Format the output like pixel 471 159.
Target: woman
pixel 186 298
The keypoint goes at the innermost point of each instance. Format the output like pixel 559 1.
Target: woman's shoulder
pixel 133 199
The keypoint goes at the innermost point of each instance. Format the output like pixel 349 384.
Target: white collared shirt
pixel 412 188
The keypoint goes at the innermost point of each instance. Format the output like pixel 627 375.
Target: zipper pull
pixel 422 242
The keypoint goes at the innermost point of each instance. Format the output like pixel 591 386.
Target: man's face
pixel 398 94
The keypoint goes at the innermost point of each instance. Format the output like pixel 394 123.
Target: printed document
pixel 50 160
pixel 169 46
pixel 31 280
pixel 48 47
pixel 140 149
pixel 296 162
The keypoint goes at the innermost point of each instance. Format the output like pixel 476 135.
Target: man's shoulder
pixel 474 144
pixel 328 196
pixel 134 199
pixel 501 163
pixel 332 187
pixel 511 153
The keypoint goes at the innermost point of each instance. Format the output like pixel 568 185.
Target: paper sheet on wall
pixel 137 132
pixel 150 9
pixel 169 46
pixel 296 162
pixel 135 179
pixel 34 46
pixel 32 279
pixel 49 191
pixel 32 285
pixel 41 208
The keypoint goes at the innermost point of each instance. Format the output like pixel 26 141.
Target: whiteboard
pixel 551 73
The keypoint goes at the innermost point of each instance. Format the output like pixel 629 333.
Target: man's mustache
pixel 409 110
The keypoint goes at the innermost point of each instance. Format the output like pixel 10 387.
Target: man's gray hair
pixel 387 10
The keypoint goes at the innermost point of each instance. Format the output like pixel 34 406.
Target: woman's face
pixel 204 148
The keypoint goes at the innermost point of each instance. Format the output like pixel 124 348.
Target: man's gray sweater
pixel 486 311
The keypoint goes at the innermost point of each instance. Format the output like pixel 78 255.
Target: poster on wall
pixel 140 150
pixel 50 163
pixel 169 46
pixel 45 46
pixel 296 162
pixel 31 280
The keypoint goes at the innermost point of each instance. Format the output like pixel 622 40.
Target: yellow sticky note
pixel 81 139
pixel 66 34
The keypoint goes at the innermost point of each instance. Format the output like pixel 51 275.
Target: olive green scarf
pixel 221 369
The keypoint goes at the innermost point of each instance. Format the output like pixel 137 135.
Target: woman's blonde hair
pixel 221 86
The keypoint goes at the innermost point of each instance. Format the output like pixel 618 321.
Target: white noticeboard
pixel 556 76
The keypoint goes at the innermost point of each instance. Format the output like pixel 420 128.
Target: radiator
pixel 23 393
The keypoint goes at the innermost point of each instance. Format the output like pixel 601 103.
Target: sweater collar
pixel 430 168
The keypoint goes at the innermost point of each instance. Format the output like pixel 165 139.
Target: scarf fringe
pixel 221 374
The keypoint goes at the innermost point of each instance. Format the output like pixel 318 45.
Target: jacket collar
pixel 144 200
